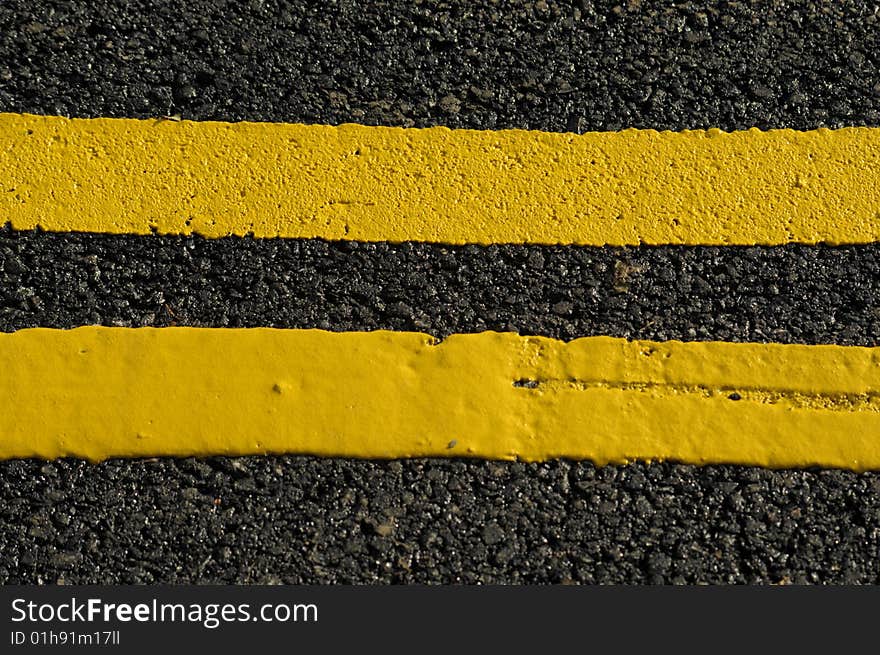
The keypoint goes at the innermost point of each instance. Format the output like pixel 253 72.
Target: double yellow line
pixel 100 392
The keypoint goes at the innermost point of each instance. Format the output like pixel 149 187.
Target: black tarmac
pixel 304 520
pixel 790 294
pixel 543 65
pixel 570 65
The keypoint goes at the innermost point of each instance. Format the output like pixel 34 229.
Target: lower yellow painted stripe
pixel 440 185
pixel 98 392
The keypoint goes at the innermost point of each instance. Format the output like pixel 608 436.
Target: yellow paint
pixel 102 392
pixel 440 185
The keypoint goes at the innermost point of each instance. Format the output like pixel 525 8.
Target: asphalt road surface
pixel 539 65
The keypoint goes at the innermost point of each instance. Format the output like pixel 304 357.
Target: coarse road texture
pixel 555 66
pixel 788 294
pixel 540 65
pixel 285 519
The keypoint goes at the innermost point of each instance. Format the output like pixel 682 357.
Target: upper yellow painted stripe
pixel 440 185
pixel 100 392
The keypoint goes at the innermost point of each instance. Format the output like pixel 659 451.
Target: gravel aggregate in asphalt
pixel 791 294
pixel 304 520
pixel 562 66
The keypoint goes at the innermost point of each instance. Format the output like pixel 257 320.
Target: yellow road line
pixel 101 392
pixel 440 185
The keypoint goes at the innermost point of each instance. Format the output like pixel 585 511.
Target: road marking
pixel 97 392
pixel 440 185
